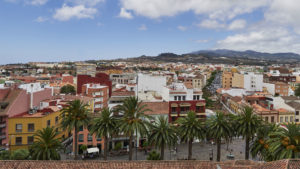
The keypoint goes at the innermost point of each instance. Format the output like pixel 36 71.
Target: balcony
pixel 2 136
pixel 2 124
pixel 174 114
pixel 183 113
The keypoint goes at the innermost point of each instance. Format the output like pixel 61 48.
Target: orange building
pixel 281 89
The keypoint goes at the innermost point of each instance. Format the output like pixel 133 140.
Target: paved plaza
pixel 201 151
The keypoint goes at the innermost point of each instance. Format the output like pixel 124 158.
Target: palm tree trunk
pixel 76 143
pixel 130 147
pixel 105 148
pixel 247 148
pixel 218 149
pixel 162 151
pixel 190 149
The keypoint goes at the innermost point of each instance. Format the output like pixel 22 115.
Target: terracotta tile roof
pixel 236 99
pixel 157 108
pixel 238 164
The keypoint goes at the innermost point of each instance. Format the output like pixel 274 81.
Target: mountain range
pixel 249 57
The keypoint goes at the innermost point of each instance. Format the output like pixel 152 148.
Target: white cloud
pixel 265 39
pixel 68 12
pixel 182 28
pixel 211 24
pixel 237 24
pixel 125 14
pixel 143 27
pixel 284 13
pixel 214 9
pixel 41 19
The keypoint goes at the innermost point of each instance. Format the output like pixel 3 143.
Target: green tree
pixel 75 115
pixel 153 155
pixel 259 146
pixel 219 127
pixel 247 124
pixel 162 133
pixel 46 145
pixel 4 155
pixel 297 90
pixel 68 89
pixel 284 142
pixel 189 128
pixel 104 126
pixel 134 119
pixel 20 154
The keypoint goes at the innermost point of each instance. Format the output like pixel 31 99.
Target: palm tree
pixel 104 126
pixel 284 142
pixel 219 127
pixel 75 115
pixel 190 128
pixel 162 133
pixel 134 119
pixel 247 125
pixel 46 145
pixel 260 147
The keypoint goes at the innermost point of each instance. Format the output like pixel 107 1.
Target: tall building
pixel 253 82
pixel 86 69
pixel 99 93
pixel 238 80
pixel 227 80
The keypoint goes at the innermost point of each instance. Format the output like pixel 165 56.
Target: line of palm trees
pixel 267 141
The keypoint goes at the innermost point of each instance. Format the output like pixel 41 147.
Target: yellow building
pixel 286 116
pixel 227 80
pixel 238 80
pixel 22 127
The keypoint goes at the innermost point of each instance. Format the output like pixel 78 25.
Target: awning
pixel 174 105
pixel 93 150
pixel 185 104
pixel 200 104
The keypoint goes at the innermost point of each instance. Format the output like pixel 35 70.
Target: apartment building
pixel 99 93
pixel 238 80
pixel 184 98
pixel 22 127
pixel 281 89
pixel 227 80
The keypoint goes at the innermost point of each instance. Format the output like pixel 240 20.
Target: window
pixel 48 123
pixel 194 97
pixel 19 127
pixel 281 119
pixel 56 119
pixel 30 127
pixel 291 119
pixel 173 109
pixel 90 138
pixel 80 138
pixel 81 128
pixel 99 139
pixel 56 130
pixel 266 118
pixel 179 98
pixel 183 98
pixel 18 140
pixel 286 118
pixel 272 119
pixel 297 112
pixel 30 140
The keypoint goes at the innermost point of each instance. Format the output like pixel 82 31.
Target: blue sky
pixel 73 30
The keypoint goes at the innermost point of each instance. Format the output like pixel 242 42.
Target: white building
pixel 253 82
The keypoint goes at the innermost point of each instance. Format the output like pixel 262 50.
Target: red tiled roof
pixel 123 93
pixel 157 108
pixel 238 164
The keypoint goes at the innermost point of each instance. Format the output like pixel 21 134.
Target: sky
pixel 77 30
